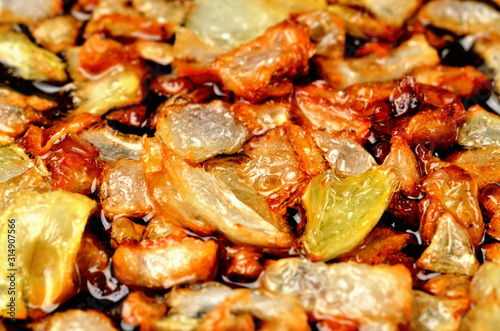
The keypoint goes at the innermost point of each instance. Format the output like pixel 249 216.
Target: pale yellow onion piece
pixel 28 60
pixel 13 162
pixel 450 250
pixel 430 313
pixel 366 294
pixel 394 12
pixel 485 293
pixel 481 129
pixel 230 23
pixel 117 87
pixel 48 230
pixel 461 17
pixel 341 211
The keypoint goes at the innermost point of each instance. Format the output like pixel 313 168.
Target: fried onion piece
pixel 448 286
pixel 360 24
pixel 244 263
pixel 123 229
pixel 377 247
pixel 155 51
pixel 113 144
pixel 50 237
pixel 164 262
pixel 58 33
pixel 200 131
pixel 403 59
pixel 482 164
pixel 450 250
pixel 260 118
pixel 28 11
pixel 343 154
pixel 326 31
pixel 461 17
pixel 434 313
pixel 123 189
pixel 453 191
pixel 481 129
pixel 198 200
pixel 75 319
pixel 228 25
pixel 29 61
pixel 488 48
pixel 142 19
pixel 492 252
pixel 189 47
pixel 276 169
pixel 369 295
pixel 215 302
pixel 485 293
pixel 341 211
pixel 17 111
pixel 393 12
pixel 404 162
pixel 263 67
pixel 318 105
pixel 140 309
pixel 494 225
pixel 489 200
pixel 464 81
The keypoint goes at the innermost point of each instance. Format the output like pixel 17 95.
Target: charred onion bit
pixel 263 68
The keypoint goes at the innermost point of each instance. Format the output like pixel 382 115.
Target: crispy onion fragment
pixel 50 238
pixel 370 295
pixel 394 12
pixel 28 60
pixel 76 320
pixel 481 129
pixel 361 24
pixel 413 53
pixel 198 200
pixel 200 131
pixel 341 211
pixel 461 17
pixel 164 262
pixel 58 33
pixel 262 67
pixel 278 312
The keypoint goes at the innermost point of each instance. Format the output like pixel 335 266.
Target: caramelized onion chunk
pixel 411 54
pixel 164 262
pixel 262 67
